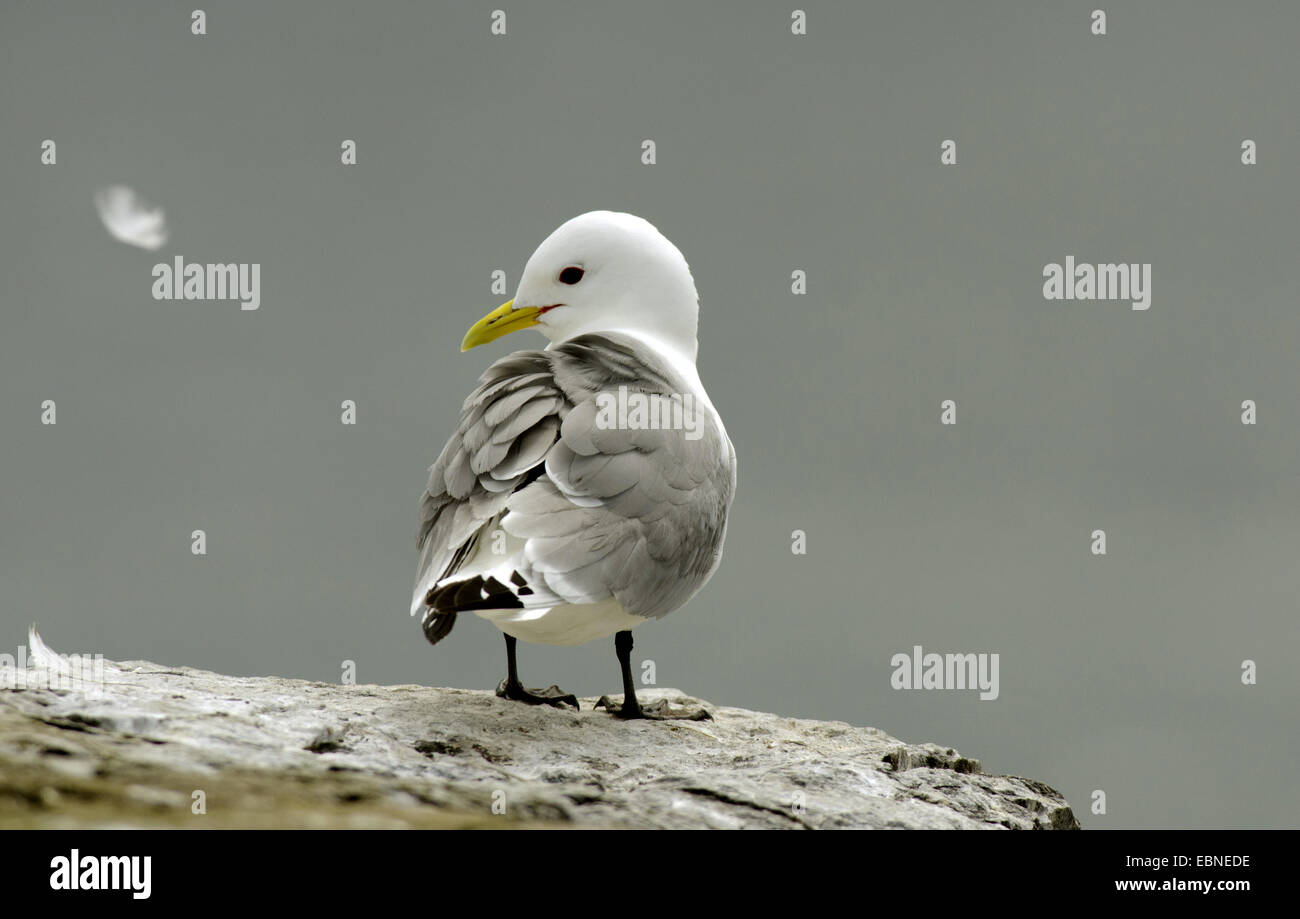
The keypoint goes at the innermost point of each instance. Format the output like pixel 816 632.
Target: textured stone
pixel 274 752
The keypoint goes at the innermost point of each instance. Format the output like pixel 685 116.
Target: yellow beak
pixel 501 321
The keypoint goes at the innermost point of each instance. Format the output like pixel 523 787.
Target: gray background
pixel 775 153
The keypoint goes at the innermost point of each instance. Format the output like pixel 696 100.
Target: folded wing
pixel 590 510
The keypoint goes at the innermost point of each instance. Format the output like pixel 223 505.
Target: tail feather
pixel 478 593
pixel 437 626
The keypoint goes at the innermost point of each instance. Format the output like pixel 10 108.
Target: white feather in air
pixel 130 219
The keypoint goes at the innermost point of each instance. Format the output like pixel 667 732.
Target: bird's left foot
pixel 654 711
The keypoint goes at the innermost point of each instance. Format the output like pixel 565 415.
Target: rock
pixel 156 742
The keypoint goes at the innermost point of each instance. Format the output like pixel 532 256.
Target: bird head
pixel 602 271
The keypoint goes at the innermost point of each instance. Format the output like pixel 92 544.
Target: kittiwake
pixel 586 487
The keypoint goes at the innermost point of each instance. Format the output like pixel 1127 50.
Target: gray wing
pixel 507 425
pixel 638 515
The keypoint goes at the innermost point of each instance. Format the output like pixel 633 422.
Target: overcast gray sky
pixel 775 153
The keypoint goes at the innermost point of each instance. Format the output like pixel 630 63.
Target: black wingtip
pixel 474 593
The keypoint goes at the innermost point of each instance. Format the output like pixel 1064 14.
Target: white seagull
pixel 586 487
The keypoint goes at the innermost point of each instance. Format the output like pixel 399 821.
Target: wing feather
pixel 638 515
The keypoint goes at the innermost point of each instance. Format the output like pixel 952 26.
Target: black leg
pixel 658 711
pixel 511 688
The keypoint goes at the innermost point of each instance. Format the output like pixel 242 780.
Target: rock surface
pixel 271 752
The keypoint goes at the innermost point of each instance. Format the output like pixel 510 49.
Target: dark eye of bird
pixel 571 275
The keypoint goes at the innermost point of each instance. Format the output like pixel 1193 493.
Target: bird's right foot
pixel 552 695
